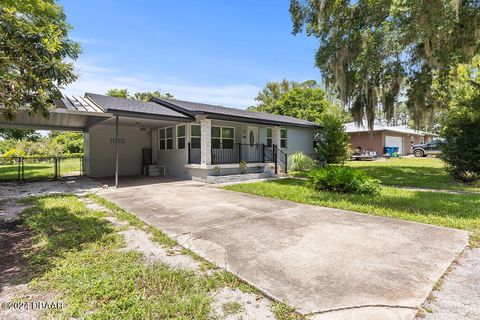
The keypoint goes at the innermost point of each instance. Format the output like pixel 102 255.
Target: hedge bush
pixel 343 180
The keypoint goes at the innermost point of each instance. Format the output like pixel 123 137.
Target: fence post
pixel 274 149
pixel 56 167
pixel 239 152
pixel 23 169
pixel 286 164
pixel 18 168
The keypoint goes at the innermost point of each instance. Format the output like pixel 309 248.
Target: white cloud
pixel 97 79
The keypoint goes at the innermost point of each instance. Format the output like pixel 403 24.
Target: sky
pixel 221 52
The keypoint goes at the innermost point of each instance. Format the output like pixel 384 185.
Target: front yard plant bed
pixel 448 210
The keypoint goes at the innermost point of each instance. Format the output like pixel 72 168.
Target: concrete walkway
pixel 329 263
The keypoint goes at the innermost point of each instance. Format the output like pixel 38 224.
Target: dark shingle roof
pixel 194 108
pixel 112 104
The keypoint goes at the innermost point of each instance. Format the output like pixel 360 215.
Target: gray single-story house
pixel 177 138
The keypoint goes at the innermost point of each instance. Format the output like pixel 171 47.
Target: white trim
pixel 184 136
pixel 286 138
pixel 192 136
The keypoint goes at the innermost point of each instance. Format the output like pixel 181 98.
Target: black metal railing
pixel 40 168
pixel 250 153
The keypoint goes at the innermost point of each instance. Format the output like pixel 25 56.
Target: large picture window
pixel 223 137
pixel 283 138
pixel 165 138
pixel 181 136
pixel 195 139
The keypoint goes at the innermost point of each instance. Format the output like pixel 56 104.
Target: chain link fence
pixel 39 168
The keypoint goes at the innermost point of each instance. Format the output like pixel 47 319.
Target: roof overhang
pixel 58 119
pixel 257 121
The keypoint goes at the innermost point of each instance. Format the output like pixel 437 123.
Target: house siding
pixel 100 151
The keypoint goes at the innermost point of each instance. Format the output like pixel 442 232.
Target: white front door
pixel 253 150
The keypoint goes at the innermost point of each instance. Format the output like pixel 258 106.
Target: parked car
pixel 425 149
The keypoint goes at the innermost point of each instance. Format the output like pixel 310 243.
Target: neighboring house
pixel 384 136
pixel 186 139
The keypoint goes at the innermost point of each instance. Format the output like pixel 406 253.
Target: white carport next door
pixel 391 141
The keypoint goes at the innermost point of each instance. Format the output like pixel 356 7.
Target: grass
pixel 448 210
pixel 409 172
pixel 41 169
pixel 76 255
pixel 231 308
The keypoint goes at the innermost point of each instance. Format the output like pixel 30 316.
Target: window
pixel 269 137
pixel 195 138
pixel 181 136
pixel 223 137
pixel 169 137
pixel 166 138
pixel 283 138
pixel 161 139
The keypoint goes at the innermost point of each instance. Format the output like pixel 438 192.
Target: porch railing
pixel 249 153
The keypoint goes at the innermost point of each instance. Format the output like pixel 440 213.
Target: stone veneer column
pixel 206 142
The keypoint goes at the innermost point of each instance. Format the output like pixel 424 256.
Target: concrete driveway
pixel 330 263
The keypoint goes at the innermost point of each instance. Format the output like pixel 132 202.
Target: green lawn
pixel 449 210
pixel 39 169
pixel 409 172
pixel 77 255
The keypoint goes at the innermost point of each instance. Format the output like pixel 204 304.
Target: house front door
pixel 251 145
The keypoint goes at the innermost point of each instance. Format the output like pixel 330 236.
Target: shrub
pixel 299 161
pixel 332 144
pixel 343 180
pixel 461 130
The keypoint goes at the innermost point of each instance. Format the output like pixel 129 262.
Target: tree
pixel 304 100
pixel 118 93
pixel 72 142
pixel 142 96
pixel 34 54
pixel 370 49
pixel 147 96
pixel 461 123
pixel 19 134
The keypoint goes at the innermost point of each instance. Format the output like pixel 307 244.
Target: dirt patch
pixel 14 242
pixel 77 185
pixel 10 210
pixel 230 304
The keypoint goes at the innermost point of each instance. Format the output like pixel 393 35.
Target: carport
pixel 88 113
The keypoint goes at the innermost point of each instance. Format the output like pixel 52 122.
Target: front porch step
pixel 271 167
pixel 238 177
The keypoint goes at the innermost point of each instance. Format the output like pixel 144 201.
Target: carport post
pixel 116 151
